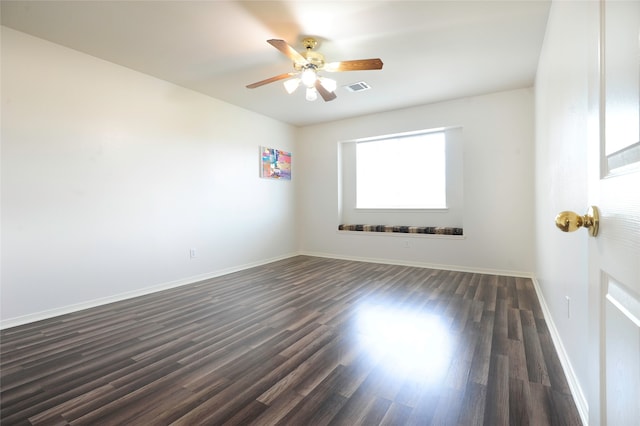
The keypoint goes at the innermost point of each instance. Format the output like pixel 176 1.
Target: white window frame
pixel 403 171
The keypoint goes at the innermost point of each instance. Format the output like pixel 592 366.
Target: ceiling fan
pixel 306 66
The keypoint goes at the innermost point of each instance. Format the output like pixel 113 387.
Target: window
pixel 441 182
pixel 402 172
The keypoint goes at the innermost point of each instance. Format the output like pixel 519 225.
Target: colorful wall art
pixel 275 164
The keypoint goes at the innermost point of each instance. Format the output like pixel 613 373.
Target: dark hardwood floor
pixel 303 341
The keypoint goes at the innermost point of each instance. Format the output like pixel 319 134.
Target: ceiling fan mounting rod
pixel 309 43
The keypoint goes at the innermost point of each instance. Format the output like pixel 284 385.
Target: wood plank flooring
pixel 303 341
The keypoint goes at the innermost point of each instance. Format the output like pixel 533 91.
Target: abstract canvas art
pixel 275 164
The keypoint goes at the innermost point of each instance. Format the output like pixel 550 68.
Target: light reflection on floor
pixel 406 343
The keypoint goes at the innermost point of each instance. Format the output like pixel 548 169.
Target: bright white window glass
pixel 407 172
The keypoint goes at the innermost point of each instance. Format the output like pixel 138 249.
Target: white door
pixel 614 186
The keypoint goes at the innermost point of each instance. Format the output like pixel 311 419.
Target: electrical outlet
pixel 568 306
pixel 192 253
pixel 406 244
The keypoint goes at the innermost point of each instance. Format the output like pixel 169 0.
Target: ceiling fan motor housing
pixel 314 58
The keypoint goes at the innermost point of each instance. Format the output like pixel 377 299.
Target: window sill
pixel 418 210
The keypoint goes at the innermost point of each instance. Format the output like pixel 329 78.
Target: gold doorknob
pixel 570 221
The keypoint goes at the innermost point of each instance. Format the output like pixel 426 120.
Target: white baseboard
pixel 456 268
pixel 576 390
pixel 63 310
pixel 38 316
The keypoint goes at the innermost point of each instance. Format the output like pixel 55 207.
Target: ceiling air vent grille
pixel 357 87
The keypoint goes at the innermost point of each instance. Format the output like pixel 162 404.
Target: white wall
pixel 562 112
pixel 110 176
pixel 497 186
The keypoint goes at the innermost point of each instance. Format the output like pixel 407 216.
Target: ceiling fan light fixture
pixel 312 95
pixel 291 85
pixel 309 77
pixel 329 84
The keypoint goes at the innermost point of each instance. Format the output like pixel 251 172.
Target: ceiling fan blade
pixel 355 65
pixel 270 80
pixel 326 95
pixel 291 53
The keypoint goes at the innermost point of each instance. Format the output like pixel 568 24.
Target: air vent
pixel 357 87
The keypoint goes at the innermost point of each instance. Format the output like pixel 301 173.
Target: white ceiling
pixel 432 50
